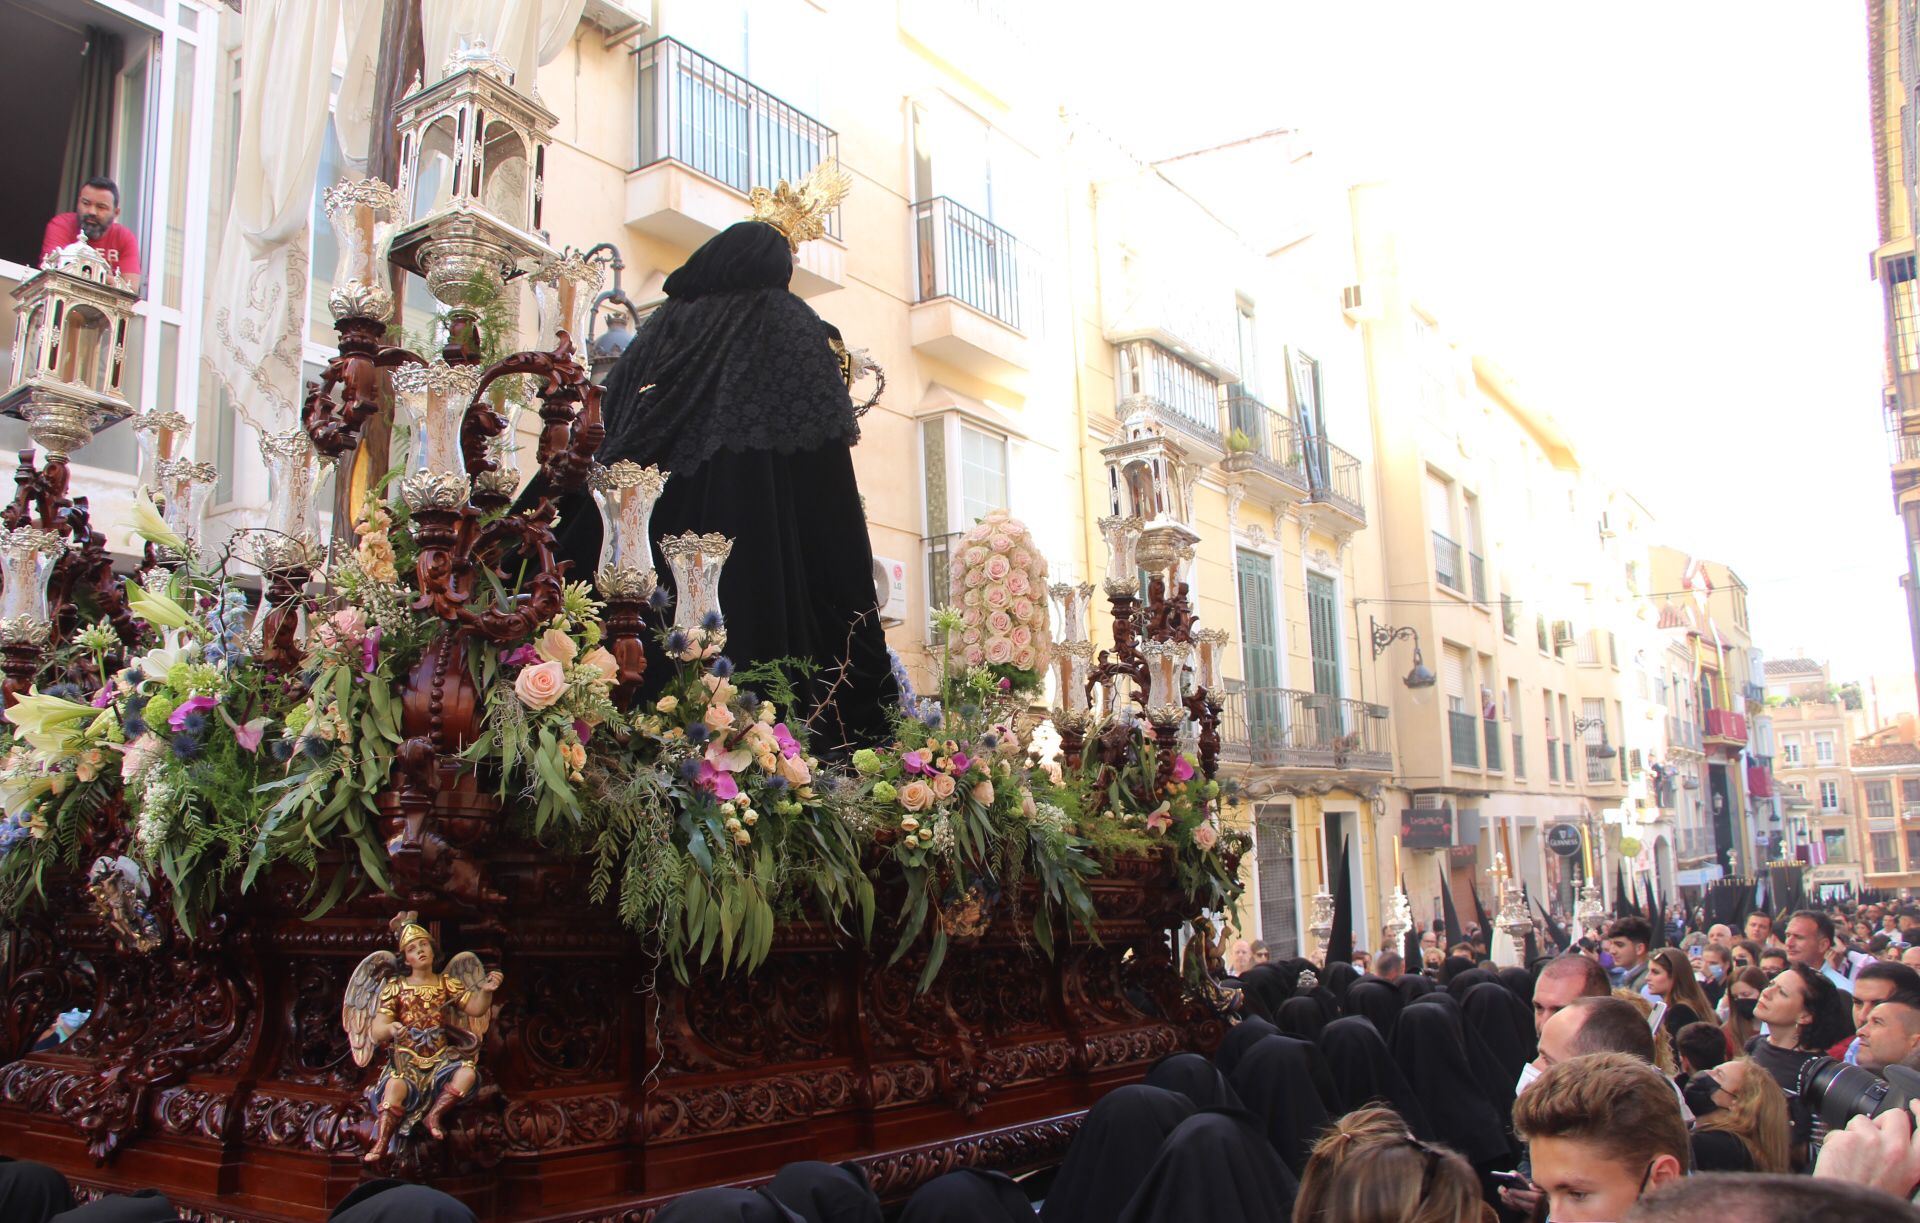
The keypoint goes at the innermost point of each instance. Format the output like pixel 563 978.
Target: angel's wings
pixel 467 969
pixel 362 999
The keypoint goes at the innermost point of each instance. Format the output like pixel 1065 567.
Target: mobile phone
pixel 1513 1180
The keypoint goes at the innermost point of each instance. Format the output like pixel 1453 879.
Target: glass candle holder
pixel 564 287
pixel 1210 642
pixel 1073 663
pixel 27 557
pixel 158 437
pixel 435 397
pixel 625 493
pixel 292 534
pixel 361 213
pixel 1075 603
pixel 1123 568
pixel 696 561
pixel 185 485
pixel 1163 660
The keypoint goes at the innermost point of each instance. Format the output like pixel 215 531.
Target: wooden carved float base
pixel 216 1069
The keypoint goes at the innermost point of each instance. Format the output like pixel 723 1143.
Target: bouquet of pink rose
pixel 1000 577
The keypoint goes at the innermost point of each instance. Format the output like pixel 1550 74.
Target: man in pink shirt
pixel 95 221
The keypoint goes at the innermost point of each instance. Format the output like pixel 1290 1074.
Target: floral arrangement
pixel 1001 577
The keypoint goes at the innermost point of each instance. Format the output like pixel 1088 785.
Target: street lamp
pixel 1384 635
pixel 1606 751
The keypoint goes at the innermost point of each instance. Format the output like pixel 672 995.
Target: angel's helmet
pixel 408 932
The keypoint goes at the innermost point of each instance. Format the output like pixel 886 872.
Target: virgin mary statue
pixel 738 391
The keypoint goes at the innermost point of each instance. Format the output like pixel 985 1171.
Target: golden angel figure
pixel 434 1022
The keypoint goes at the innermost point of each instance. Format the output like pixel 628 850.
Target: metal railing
pixel 1553 760
pixel 1599 768
pixel 1463 734
pixel 699 114
pixel 939 555
pixel 1270 441
pixel 1335 475
pixel 1906 448
pixel 1188 393
pixel 1493 743
pixel 1477 568
pixel 1519 754
pixel 1682 732
pixel 1289 728
pixel 964 256
pixel 1446 562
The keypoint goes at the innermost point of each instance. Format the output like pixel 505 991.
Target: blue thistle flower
pixel 989 740
pixel 676 642
pixel 931 715
pixel 194 724
pixel 133 726
pixel 134 676
pixel 69 692
pixel 722 666
pixel 281 750
pixel 659 600
pixel 697 732
pixel 711 621
pixel 689 770
pixel 776 784
pixel 969 711
pixel 186 746
pixel 315 748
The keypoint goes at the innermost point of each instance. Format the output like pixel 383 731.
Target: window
pixel 1823 748
pixel 1509 618
pixel 1910 791
pixel 1835 841
pixel 983 474
pixel 1273 865
pixel 1249 347
pixel 1886 854
pixel 1913 850
pixel 1259 646
pixel 1829 795
pixel 1184 389
pixel 1540 631
pixel 1903 311
pixel 1790 752
pixel 1880 800
pixel 1323 624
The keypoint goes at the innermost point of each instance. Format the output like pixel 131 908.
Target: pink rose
pixel 795 770
pixel 602 660
pixel 1017 583
pixel 916 796
pixel 943 784
pixel 1021 635
pixel 1022 609
pixel 717 717
pixel 997 568
pixel 999 623
pixel 971 598
pixel 1000 543
pixel 996 596
pixel 999 651
pixel 971 615
pixel 975 577
pixel 983 793
pixel 977 554
pixel 555 646
pixel 972 635
pixel 540 685
pixel 1022 559
pixel 1024 658
pixel 1204 836
pixel 975 656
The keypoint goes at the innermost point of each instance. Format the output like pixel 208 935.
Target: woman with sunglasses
pixel 1368 1169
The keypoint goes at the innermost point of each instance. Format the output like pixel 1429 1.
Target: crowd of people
pixel 1640 1073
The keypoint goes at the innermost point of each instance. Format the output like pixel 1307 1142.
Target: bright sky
pixel 1657 215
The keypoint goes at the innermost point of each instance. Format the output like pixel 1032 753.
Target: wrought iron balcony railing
pixel 699 114
pixel 1288 728
pixel 1446 563
pixel 1493 743
pixel 964 256
pixel 1463 732
pixel 1335 476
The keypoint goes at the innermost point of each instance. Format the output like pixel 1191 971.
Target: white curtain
pixel 260 285
pixel 353 113
pixel 525 33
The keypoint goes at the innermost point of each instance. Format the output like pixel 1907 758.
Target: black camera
pixel 1837 1092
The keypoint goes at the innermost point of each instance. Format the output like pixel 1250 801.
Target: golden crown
pixel 799 210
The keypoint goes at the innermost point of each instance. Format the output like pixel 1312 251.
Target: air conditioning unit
pixel 1357 304
pixel 890 590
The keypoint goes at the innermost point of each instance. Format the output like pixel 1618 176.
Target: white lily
pixel 156 609
pixel 150 526
pixel 175 647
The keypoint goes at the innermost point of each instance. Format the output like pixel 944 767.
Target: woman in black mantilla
pixel 738 391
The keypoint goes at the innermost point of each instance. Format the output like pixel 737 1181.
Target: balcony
pixel 1602 771
pixel 1335 476
pixel 1463 735
pixel 1493 744
pixel 1682 735
pixel 1906 449
pixel 1180 393
pixel 1759 781
pixel 1288 728
pixel 1263 446
pixel 707 137
pixel 1724 729
pixel 974 291
pixel 1447 569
